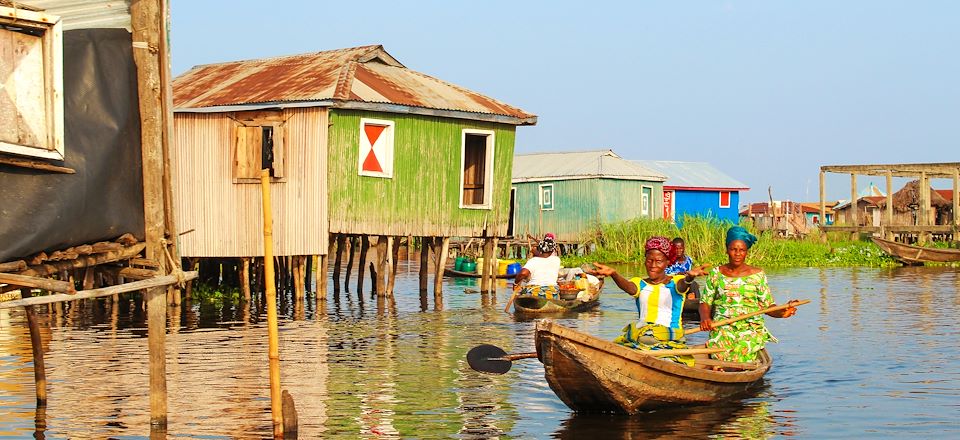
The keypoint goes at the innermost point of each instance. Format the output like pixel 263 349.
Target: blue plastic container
pixel 514 269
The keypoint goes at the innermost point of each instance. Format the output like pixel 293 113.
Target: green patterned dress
pixel 733 296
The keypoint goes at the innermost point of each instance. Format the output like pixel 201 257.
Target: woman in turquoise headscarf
pixel 734 289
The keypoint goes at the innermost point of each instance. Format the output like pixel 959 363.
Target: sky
pixel 766 91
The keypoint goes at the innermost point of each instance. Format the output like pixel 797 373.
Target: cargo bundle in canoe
pixel 593 375
pixel 915 255
pixel 535 305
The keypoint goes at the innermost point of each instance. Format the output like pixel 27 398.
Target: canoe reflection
pixel 731 419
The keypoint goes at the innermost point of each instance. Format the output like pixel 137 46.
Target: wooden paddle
pixel 488 358
pixel 792 303
pixel 510 301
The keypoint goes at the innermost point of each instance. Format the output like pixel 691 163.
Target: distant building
pixel 697 189
pixel 571 193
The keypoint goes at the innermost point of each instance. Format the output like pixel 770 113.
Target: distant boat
pixel 915 255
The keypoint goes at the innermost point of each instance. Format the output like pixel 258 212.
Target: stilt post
pixel 276 409
pixel 36 344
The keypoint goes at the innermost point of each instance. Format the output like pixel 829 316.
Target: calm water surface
pixel 874 355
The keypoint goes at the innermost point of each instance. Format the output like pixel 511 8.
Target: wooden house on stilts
pixel 359 147
pixel 83 169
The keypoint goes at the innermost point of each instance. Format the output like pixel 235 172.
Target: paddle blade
pixel 488 358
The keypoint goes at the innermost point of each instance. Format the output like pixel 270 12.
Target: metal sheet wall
pixel 422 198
pixel 576 209
pixel 226 217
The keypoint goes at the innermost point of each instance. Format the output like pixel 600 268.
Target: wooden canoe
pixel 692 305
pixel 909 254
pixel 457 273
pixel 594 375
pixel 535 305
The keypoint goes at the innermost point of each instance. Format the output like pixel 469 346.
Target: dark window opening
pixel 266 150
pixel 474 169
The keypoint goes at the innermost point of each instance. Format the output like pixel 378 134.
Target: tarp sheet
pixel 45 211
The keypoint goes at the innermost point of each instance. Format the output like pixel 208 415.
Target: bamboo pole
pixel 889 212
pixel 165 280
pixel 40 283
pixel 272 332
pixel 36 344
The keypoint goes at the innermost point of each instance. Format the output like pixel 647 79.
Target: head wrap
pixel 740 233
pixel 547 245
pixel 661 244
pixel 550 236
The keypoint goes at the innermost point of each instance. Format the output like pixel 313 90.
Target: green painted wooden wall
pixel 580 205
pixel 423 196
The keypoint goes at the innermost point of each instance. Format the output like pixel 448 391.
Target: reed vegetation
pixel 705 242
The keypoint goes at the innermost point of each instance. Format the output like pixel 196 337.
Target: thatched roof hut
pixel 908 198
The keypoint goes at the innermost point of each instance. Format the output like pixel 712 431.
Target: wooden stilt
pixel 352 243
pixel 36 343
pixel 341 242
pixel 394 244
pixel 493 266
pixel 364 249
pixel 373 279
pixel 272 330
pixel 424 255
pixel 308 271
pixel 245 279
pixel 854 215
pixel 441 264
pixel 297 269
pixel 381 265
pixel 156 303
pixel 487 276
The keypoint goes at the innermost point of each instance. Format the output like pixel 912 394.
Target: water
pixel 873 355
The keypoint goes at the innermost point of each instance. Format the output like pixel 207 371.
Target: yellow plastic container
pixel 481 267
pixel 502 266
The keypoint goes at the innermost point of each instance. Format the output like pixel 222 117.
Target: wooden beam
pixel 823 199
pixel 944 169
pixel 81 262
pixel 165 280
pixel 889 211
pixel 39 283
pixel 35 165
pixel 13 266
pixel 441 264
pixel 132 273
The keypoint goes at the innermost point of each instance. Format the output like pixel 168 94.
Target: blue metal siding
pixel 706 204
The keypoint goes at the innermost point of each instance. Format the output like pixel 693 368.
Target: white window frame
pixel 553 197
pixel 488 167
pixel 52 42
pixel 720 198
pixel 646 211
pixel 386 161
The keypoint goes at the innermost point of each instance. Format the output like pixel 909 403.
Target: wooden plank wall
pixel 226 217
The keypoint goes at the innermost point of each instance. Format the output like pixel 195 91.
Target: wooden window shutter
pixel 246 155
pixel 279 147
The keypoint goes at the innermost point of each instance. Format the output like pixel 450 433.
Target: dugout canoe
pixel 914 255
pixel 594 375
pixel 536 305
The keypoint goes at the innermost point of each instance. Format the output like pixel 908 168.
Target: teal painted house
pixel 571 193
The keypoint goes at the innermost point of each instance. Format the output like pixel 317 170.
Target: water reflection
pixel 872 356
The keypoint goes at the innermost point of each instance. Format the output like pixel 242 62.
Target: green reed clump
pixel 705 240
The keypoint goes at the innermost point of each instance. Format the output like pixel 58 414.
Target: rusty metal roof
pixel 339 78
pixel 571 165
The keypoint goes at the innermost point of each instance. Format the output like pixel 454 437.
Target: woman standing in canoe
pixel 659 299
pixel 733 289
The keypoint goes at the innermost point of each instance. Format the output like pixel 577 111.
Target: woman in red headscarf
pixel 659 298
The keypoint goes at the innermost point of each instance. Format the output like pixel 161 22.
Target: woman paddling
pixel 539 276
pixel 659 298
pixel 734 289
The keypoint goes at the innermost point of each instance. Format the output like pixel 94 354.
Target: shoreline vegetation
pixel 622 242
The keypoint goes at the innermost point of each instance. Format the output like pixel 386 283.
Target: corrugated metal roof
pixel 84 14
pixel 365 74
pixel 579 165
pixel 692 175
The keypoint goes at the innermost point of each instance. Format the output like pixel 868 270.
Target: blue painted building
pixel 697 189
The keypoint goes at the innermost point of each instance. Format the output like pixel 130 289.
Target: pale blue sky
pixel 767 91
